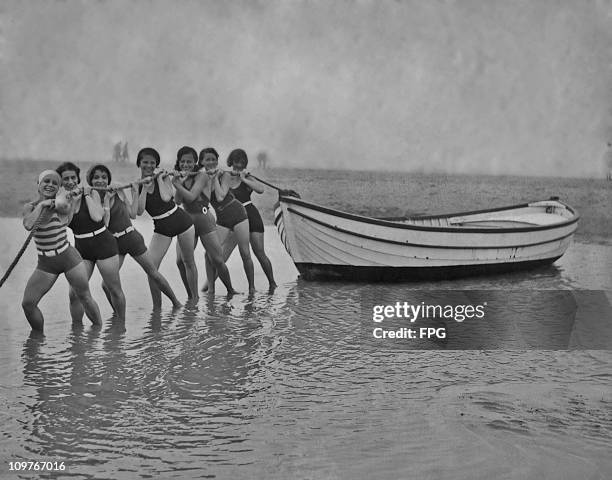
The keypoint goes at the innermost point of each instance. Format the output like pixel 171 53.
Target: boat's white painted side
pixel 313 236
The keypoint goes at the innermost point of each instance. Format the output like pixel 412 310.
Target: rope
pixel 23 248
pixel 139 181
pixel 286 192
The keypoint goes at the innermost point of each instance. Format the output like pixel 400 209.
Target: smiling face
pixel 49 186
pixel 70 179
pixel 187 162
pixel 99 179
pixel 147 165
pixel 210 162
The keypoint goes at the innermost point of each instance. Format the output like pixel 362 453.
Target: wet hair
pixel 203 152
pixel 102 168
pixel 186 151
pixel 237 156
pixel 69 166
pixel 148 151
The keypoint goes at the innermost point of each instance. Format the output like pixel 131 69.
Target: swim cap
pixel 46 173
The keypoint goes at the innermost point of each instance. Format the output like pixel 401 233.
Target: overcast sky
pixel 490 86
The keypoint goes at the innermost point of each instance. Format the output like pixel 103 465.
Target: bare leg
pixel 38 285
pixel 79 283
pixel 242 235
pixel 181 267
pixel 215 255
pixel 211 274
pixel 105 288
pixel 157 250
pixel 211 271
pixel 109 269
pixel 76 308
pixel 186 241
pixel 229 245
pixel 257 243
pixel 147 265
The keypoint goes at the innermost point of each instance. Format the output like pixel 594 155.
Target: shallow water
pixel 284 385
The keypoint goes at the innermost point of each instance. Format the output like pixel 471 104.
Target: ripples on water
pixel 282 386
pixel 269 388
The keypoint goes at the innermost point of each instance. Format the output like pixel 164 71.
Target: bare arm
pixel 142 198
pixel 31 212
pixel 132 204
pixel 251 182
pixel 166 192
pixel 189 195
pixel 220 186
pixel 94 204
pixel 107 204
pixel 178 188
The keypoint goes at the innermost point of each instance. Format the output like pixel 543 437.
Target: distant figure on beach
pixel 117 152
pixel 125 156
pixel 607 161
pixel 262 160
pixel 55 254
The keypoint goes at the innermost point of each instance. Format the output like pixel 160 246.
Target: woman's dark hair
pixel 148 151
pixel 102 168
pixel 203 152
pixel 66 166
pixel 186 151
pixel 237 156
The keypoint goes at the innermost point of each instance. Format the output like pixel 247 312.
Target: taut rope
pixel 282 191
pixel 23 247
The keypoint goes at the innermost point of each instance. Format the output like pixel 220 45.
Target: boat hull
pixel 326 243
pixel 319 271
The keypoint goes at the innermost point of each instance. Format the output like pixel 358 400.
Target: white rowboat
pixel 329 244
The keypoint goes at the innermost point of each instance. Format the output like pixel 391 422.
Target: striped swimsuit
pixel 51 234
pixel 55 254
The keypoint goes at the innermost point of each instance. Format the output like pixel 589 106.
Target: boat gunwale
pixel 392 224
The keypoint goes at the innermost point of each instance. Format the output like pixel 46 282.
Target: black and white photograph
pixel 306 239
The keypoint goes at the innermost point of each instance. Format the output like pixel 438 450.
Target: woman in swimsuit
pixel 242 185
pixel 118 210
pixel 55 254
pixel 231 215
pixel 193 193
pixel 93 241
pixel 169 220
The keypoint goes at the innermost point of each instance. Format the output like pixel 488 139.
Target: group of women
pixel 179 202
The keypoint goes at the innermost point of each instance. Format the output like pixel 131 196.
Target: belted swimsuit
pixel 200 213
pixel 91 239
pixel 243 194
pixel 230 211
pixel 55 254
pixel 168 219
pixel 129 240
